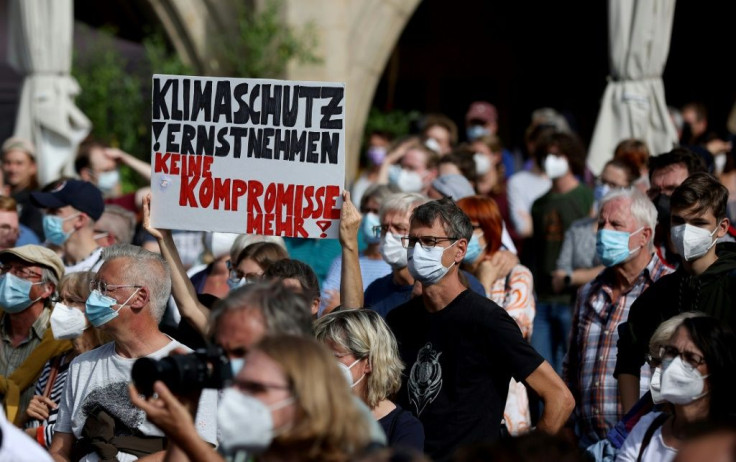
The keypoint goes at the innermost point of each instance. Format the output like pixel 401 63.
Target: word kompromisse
pixel 265 121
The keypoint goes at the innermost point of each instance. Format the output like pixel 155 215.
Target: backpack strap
pixel 656 423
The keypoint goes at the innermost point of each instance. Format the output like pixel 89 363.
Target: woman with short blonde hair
pixel 367 351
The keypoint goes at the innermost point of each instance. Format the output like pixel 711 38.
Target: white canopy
pixel 633 104
pixel 40 47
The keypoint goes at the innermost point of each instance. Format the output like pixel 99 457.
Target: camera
pixel 204 368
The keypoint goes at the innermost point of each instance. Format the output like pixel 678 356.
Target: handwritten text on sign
pixel 248 155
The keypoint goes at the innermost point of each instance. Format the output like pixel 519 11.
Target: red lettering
pixel 255 223
pixel 285 198
pixel 331 194
pixel 270 199
pixel 268 224
pixel 160 163
pixel 298 201
pixel 308 193
pixel 207 164
pixel 283 225
pixel 319 195
pixel 205 192
pixel 238 190
pixel 195 165
pixel 222 193
pixel 175 158
pixel 299 230
pixel 255 189
pixel 186 191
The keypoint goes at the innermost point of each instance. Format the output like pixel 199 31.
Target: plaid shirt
pixel 591 358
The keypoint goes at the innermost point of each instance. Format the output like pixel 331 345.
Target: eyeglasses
pixel 382 230
pixel 425 241
pixel 19 271
pixel 654 361
pixel 103 287
pixel 255 388
pixel 669 353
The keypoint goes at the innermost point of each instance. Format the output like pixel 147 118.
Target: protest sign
pixel 248 155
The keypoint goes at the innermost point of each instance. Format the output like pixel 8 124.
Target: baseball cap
pixel 454 186
pixel 37 255
pixel 482 110
pixel 20 144
pixel 81 195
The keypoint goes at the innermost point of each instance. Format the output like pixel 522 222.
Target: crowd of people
pixel 481 303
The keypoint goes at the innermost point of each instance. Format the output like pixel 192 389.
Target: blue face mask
pixel 99 307
pixel 600 191
pixel 236 364
pixel 476 131
pixel 370 220
pixel 612 246
pixel 474 250
pixel 53 229
pixel 15 293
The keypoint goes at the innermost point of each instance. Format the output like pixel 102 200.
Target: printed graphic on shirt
pixel 114 399
pixel 425 378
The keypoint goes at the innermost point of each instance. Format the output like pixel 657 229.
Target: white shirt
pixel 101 377
pixel 91 263
pixel 17 446
pixel 522 189
pixel 656 451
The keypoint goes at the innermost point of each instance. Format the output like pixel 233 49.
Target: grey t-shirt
pixel 100 378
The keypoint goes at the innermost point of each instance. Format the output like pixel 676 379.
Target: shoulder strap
pixel 656 423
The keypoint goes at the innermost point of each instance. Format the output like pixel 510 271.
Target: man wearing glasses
pixel 127 300
pixel 29 276
pixel 461 349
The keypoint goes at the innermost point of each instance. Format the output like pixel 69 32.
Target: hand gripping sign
pixel 248 155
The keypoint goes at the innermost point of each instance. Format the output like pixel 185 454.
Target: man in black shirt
pixel 460 348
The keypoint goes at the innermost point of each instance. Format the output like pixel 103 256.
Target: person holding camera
pixel 97 420
pixel 289 402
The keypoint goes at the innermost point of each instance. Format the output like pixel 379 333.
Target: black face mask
pixel 662 204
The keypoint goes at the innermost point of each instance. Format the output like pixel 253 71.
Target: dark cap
pixel 81 195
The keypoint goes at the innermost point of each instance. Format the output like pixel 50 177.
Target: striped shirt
pixel 11 357
pixel 591 358
pixel 56 389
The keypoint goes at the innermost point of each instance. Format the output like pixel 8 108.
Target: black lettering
pixel 223 102
pixel 205 140
pixel 255 142
pixel 290 111
pixel 186 95
pixel 312 155
pixel 160 110
pixel 241 115
pixel 187 136
pixel 171 145
pixel 255 116
pixel 330 146
pixel 298 145
pixel 332 108
pixel 271 105
pixel 280 145
pixel 223 149
pixel 238 134
pixel 202 101
pixel 176 113
pixel 309 93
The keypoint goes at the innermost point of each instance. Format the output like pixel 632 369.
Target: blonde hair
pixel 365 334
pixel 328 425
pixel 74 287
pixel 667 329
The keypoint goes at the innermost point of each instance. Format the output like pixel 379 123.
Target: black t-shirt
pixel 459 362
pixel 402 429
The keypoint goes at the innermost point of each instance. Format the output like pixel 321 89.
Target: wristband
pixel 41 435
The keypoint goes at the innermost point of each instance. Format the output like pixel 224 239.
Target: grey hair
pixel 667 329
pixel 119 221
pixel 641 208
pixel 453 220
pixel 401 203
pixel 283 310
pixel 144 268
pixel 47 275
pixel 379 192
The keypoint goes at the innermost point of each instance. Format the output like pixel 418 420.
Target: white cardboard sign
pixel 249 156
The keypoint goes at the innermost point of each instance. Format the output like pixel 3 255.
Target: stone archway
pixel 355 40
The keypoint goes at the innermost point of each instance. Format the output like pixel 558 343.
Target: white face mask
pixel 349 375
pixel 555 166
pixel 392 251
pixel 719 163
pixel 67 322
pixel 245 422
pixel 692 242
pixel 425 265
pixel 405 180
pixel 680 384
pixel 482 163
pixel 655 385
